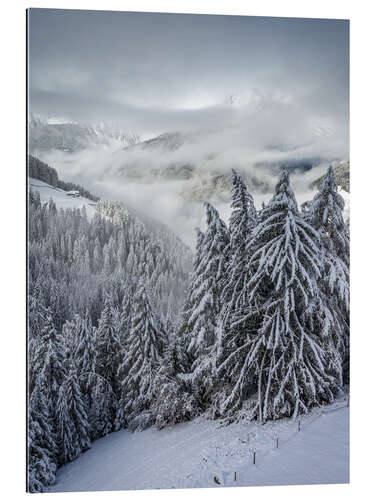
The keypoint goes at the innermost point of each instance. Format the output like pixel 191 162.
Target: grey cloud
pixel 103 63
pixel 153 73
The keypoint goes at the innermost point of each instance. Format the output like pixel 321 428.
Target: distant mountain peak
pixel 49 133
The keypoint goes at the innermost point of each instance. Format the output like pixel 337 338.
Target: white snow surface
pixel 192 454
pixel 346 211
pixel 61 198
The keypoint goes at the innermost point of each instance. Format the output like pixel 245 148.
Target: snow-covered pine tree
pixel 106 387
pixel 37 314
pixel 125 315
pixel 96 393
pixel 101 404
pixel 185 331
pixel 143 354
pixel 173 402
pixel 168 322
pixel 73 425
pixel 175 359
pixel 84 350
pixel 42 445
pixel 204 308
pixel 241 223
pixel 325 214
pixel 287 364
pixel 48 362
pixel 108 346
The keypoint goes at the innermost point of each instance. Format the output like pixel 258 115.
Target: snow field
pixel 60 197
pixel 192 454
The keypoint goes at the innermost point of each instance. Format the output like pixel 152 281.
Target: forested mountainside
pixel 70 137
pixel 43 172
pixel 74 262
pixel 341 172
pixel 262 332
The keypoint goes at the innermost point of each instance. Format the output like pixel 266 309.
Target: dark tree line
pixel 43 172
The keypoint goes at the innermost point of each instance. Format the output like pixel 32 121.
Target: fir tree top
pixel 326 216
pixel 284 193
pixel 242 203
pixel 286 247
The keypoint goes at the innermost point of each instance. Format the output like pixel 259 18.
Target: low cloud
pixel 243 92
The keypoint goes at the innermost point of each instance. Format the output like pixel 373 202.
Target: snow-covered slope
pixel 346 211
pixel 51 134
pixel 61 198
pixel 160 234
pixel 192 454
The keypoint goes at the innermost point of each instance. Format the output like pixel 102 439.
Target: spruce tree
pixel 84 356
pixel 108 346
pixel 124 319
pixel 287 364
pixel 205 304
pixel 185 329
pixel 172 403
pixel 325 214
pixel 73 425
pixel 101 404
pixel 143 355
pixel 48 361
pixel 242 221
pixel 84 350
pixel 236 301
pixel 42 441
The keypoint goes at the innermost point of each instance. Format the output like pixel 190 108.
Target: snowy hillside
pixel 346 211
pixel 121 340
pixel 192 454
pixel 61 198
pixel 47 134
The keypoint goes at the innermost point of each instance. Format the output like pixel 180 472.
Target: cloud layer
pixel 167 71
pixel 243 91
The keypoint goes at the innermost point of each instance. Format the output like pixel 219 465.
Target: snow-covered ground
pixel 61 198
pixel 346 211
pixel 193 454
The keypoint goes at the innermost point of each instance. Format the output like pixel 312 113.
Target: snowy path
pixel 191 454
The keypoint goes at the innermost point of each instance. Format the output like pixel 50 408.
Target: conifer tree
pixel 124 319
pixel 48 361
pixel 101 404
pixel 242 221
pixel 325 214
pixel 172 403
pixel 201 327
pixel 185 330
pixel 206 284
pixel 143 354
pixel 175 359
pixel 108 346
pixel 236 302
pixel 97 396
pixel 84 350
pixel 42 445
pixel 287 363
pixel 73 425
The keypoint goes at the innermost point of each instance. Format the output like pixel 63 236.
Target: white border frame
pixel 12 258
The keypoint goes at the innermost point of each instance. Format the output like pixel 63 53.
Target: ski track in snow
pixel 190 454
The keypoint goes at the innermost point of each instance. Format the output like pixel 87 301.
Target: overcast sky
pixel 166 71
